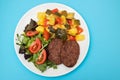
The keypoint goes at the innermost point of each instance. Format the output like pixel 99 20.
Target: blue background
pixel 103 59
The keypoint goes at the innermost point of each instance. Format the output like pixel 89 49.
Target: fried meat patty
pixel 54 49
pixel 70 53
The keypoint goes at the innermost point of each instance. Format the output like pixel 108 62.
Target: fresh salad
pixel 38 34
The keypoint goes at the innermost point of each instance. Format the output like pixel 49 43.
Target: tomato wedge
pixel 42 57
pixel 79 29
pixel 35 46
pixel 46 34
pixel 31 33
pixel 72 38
pixel 55 10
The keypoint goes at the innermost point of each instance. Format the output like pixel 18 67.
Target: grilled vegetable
pixel 72 31
pixel 41 18
pixel 64 13
pixel 70 15
pixel 40 29
pixel 48 11
pixel 61 34
pixel 51 19
pixel 76 22
pixel 51 29
pixel 79 37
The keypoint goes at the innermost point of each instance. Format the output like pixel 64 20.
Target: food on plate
pixel 54 49
pixel 70 53
pixel 51 40
pixel 63 52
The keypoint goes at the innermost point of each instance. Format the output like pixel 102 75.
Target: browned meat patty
pixel 70 53
pixel 54 49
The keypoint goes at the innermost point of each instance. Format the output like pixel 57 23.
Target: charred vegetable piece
pixel 61 34
pixel 67 26
pixel 70 15
pixel 64 13
pixel 76 22
pixel 51 29
pixel 31 26
pixel 48 11
pixel 57 14
pixel 22 50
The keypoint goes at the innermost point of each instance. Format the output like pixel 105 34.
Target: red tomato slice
pixel 46 34
pixel 31 33
pixel 35 46
pixel 80 30
pixel 72 38
pixel 42 57
pixel 55 10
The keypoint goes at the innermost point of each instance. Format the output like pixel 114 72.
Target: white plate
pixel 32 13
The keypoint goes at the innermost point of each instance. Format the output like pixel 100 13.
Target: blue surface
pixel 103 59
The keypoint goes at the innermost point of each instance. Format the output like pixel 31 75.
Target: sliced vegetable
pixel 64 13
pixel 48 11
pixel 61 34
pixel 69 21
pixel 55 10
pixel 72 31
pixel 63 19
pixel 41 18
pixel 51 29
pixel 76 22
pixel 72 38
pixel 51 19
pixel 67 26
pixel 58 20
pixel 31 33
pixel 40 29
pixel 79 29
pixel 57 14
pixel 35 46
pixel 70 15
pixel 46 23
pixel 42 57
pixel 80 37
pixel 46 34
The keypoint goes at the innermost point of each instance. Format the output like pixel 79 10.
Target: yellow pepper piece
pixel 80 37
pixel 41 22
pixel 47 29
pixel 72 31
pixel 41 18
pixel 59 26
pixel 63 19
pixel 41 15
pixel 40 29
pixel 70 15
pixel 51 19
